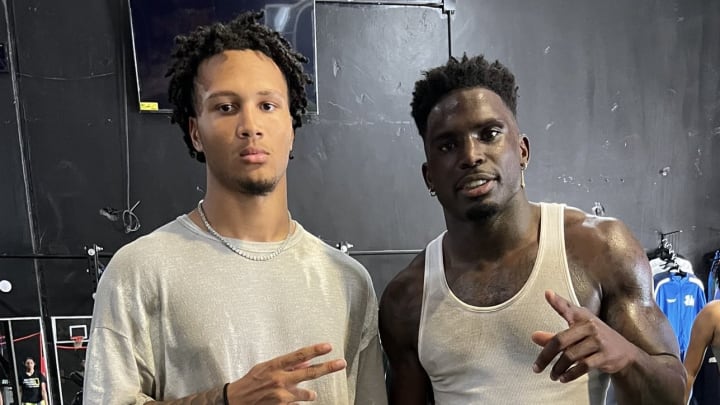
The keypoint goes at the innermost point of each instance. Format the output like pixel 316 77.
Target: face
pixel 29 364
pixel 474 154
pixel 243 123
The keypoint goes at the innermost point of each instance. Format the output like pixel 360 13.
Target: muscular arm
pixel 652 372
pixel 399 321
pixel 702 335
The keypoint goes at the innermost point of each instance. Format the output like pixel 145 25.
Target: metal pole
pixel 384 252
pixel 14 365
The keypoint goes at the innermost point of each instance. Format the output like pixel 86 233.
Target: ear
pixel 195 134
pixel 524 149
pixel 426 176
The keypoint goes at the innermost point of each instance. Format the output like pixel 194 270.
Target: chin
pixel 256 187
pixel 482 212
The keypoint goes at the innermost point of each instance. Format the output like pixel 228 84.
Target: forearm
pixel 651 380
pixel 211 397
pixel 688 388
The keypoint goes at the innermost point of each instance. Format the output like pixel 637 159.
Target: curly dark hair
pixel 461 74
pixel 244 32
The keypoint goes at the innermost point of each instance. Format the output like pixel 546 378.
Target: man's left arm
pixel 630 338
pixel 370 384
pixel 654 373
pixel 370 387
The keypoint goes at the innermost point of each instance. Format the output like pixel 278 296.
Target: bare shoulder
pixel 599 232
pixel 711 312
pixel 614 263
pixel 401 301
pixel 604 253
pixel 403 295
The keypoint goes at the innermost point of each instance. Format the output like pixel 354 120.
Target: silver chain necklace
pixel 256 258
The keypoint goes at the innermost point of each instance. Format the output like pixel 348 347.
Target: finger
pixel 575 372
pixel 316 371
pixel 541 338
pixel 299 366
pixel 562 306
pixel 574 354
pixel 557 344
pixel 570 312
pixel 300 356
pixel 300 394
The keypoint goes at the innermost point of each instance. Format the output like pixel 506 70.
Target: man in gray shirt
pixel 235 303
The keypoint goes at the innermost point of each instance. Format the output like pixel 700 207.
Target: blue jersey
pixel 680 298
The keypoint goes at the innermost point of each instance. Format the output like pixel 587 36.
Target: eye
pixel 226 108
pixel 490 134
pixel 267 107
pixel 447 146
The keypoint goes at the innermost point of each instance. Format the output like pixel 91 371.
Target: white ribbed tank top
pixel 484 355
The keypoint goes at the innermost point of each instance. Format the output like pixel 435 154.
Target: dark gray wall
pixel 609 96
pixel 15 235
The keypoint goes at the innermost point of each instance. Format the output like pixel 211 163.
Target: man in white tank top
pixel 705 332
pixel 482 314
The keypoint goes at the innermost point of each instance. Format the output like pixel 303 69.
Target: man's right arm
pixel 271 382
pixel 400 309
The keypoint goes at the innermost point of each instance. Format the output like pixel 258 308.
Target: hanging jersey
pixel 712 289
pixel 666 274
pixel 484 355
pixel 680 298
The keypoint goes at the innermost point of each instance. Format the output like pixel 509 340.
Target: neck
pixel 513 227
pixel 251 218
pixel 30 371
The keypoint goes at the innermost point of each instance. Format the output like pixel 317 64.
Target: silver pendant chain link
pixel 255 258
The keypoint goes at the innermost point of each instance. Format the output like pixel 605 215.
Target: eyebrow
pixel 452 132
pixel 227 93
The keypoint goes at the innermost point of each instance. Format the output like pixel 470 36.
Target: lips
pixel 474 184
pixel 252 151
pixel 254 155
pixel 475 180
pixel 477 185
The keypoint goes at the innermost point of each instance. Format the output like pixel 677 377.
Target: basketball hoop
pixel 77 342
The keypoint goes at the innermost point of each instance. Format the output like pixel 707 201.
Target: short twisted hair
pixel 461 74
pixel 245 32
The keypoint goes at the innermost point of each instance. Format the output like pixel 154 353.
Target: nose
pixel 473 152
pixel 248 123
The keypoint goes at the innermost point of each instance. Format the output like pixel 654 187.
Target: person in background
pixel 705 334
pixel 33 385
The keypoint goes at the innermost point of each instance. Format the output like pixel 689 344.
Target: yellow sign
pixel 148 106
